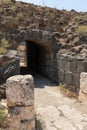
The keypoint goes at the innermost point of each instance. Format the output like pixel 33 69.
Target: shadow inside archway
pixel 40 63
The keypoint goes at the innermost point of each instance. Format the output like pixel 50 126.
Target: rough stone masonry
pixel 20 100
pixel 53 32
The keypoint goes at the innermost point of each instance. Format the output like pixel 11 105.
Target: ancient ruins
pixel 42 40
pixel 55 47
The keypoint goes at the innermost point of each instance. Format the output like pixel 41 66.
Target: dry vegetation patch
pixel 81 29
pixel 3 114
pixel 3 46
pixel 67 92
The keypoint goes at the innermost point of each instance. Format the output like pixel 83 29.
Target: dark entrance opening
pixel 40 59
pixel 33 56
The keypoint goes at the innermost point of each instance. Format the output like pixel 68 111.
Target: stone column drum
pixel 20 101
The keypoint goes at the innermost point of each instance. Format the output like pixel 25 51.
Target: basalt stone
pixel 68 78
pixel 76 79
pixel 9 65
pixel 80 66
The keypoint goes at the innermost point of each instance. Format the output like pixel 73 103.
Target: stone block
pixel 80 66
pixel 85 65
pixel 61 65
pixel 10 69
pixel 68 78
pixel 76 79
pixel 55 62
pixel 20 90
pixel 9 65
pixel 21 118
pixel 67 65
pixel 37 34
pixel 55 77
pixel 73 66
pixel 83 87
pixel 64 65
pixel 45 36
pixel 83 82
pixel 61 75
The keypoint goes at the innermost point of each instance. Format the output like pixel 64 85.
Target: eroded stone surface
pixel 50 27
pixel 19 118
pixel 23 118
pixel 20 90
pixel 63 118
pixel 83 87
pixel 83 82
pixel 20 102
pixel 54 111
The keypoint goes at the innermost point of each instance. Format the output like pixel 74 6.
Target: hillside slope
pixel 68 28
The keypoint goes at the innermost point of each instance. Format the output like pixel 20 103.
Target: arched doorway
pixel 40 54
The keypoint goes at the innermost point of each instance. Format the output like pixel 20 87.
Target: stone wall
pixel 9 66
pixel 49 66
pixel 69 70
pixel 61 69
pixel 50 27
pixel 20 101
pixel 64 70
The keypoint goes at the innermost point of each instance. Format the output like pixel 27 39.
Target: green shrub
pixel 3 114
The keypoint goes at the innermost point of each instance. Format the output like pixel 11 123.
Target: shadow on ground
pixel 39 80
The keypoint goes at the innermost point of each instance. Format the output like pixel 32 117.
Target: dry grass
pixel 81 29
pixel 13 8
pixel 6 1
pixel 67 92
pixel 3 46
pixel 19 16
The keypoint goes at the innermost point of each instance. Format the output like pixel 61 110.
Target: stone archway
pixel 41 53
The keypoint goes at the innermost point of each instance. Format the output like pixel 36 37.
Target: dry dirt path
pixel 56 111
